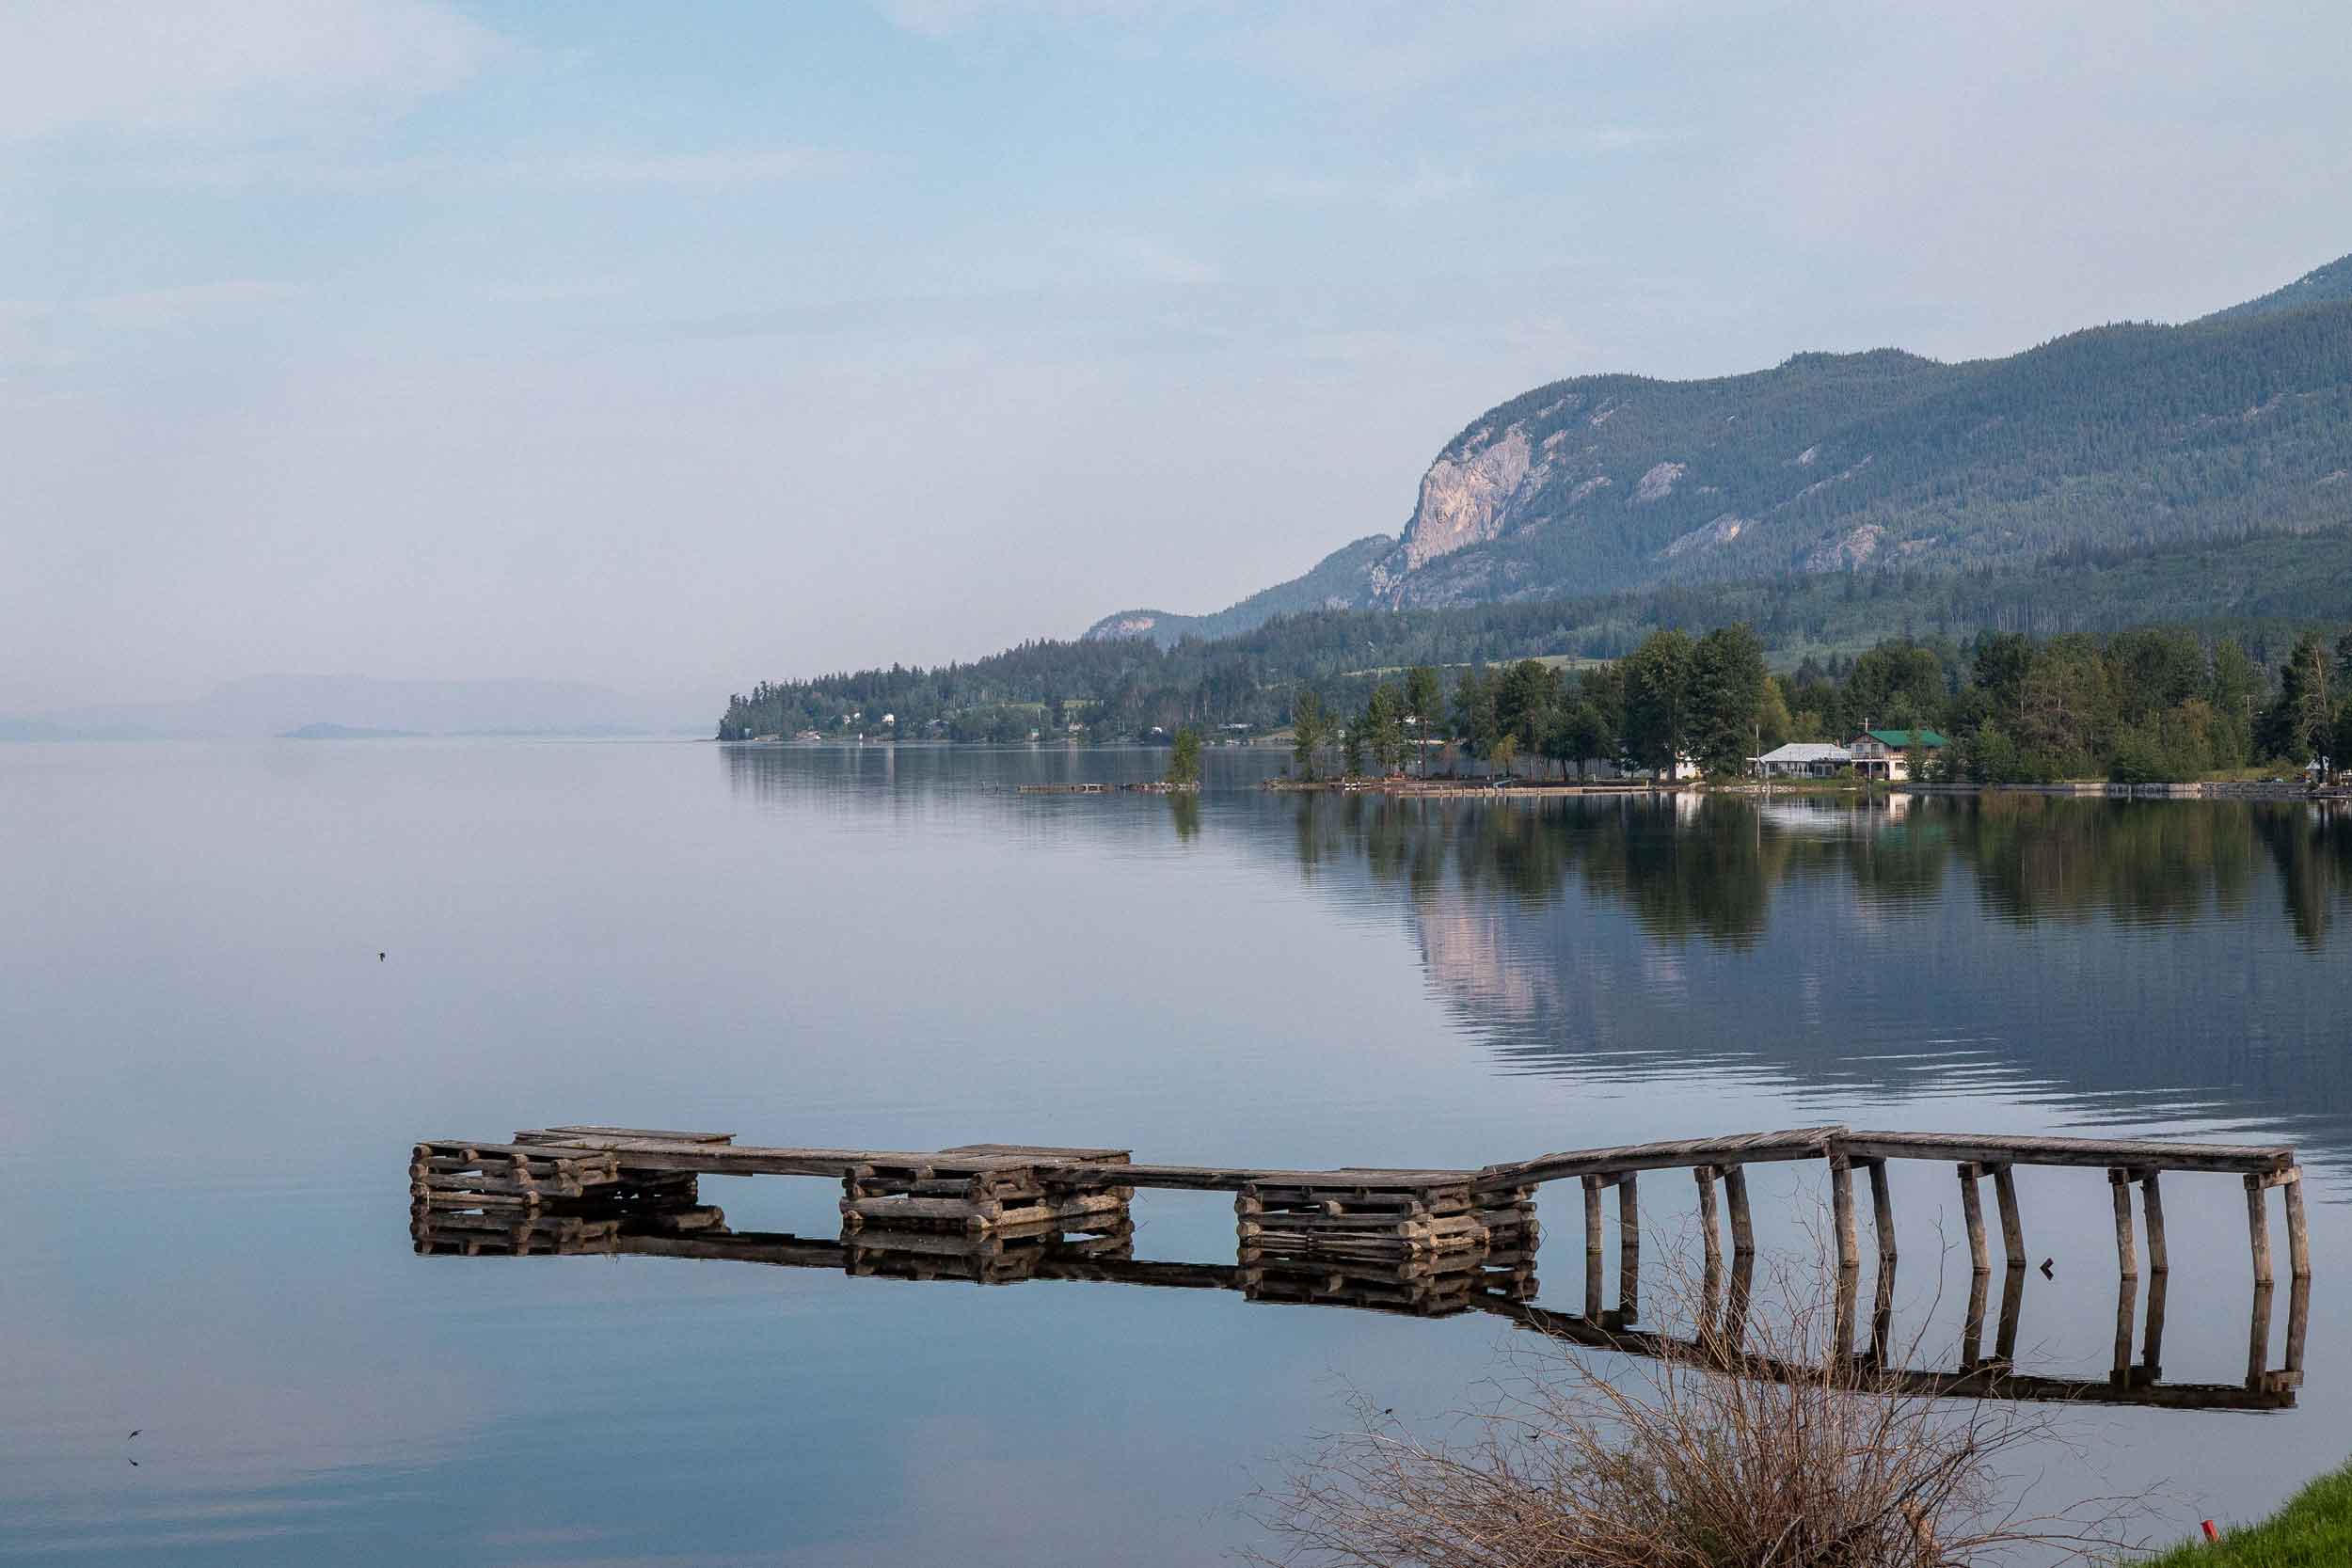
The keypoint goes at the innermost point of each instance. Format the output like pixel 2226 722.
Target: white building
pixel 1802 759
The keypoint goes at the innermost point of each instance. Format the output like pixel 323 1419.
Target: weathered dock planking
pixel 1429 1242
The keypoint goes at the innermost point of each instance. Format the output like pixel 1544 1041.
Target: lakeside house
pixel 1802 759
pixel 1886 753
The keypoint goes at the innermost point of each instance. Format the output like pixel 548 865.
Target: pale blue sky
pixel 672 346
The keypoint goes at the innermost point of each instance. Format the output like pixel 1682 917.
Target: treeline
pixel 2272 587
pixel 2140 706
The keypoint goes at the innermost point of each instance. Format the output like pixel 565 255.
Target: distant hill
pixel 344 732
pixel 2116 437
pixel 269 705
pixel 1336 582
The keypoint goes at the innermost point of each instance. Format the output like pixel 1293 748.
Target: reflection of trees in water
pixel 1707 867
pixel 1707 872
pixel 2037 858
pixel 2312 849
pixel 1696 867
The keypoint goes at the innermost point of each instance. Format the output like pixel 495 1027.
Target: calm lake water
pixel 213 1085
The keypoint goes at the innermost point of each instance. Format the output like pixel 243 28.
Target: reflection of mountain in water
pixel 2131 960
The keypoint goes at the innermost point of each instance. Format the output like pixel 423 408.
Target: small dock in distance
pixel 1425 1241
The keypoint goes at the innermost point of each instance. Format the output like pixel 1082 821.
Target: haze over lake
pixel 215 1082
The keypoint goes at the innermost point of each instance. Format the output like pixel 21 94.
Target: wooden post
pixel 1736 1303
pixel 1710 1228
pixel 1592 1248
pixel 2012 1229
pixel 2126 1294
pixel 2258 1332
pixel 1883 1314
pixel 2152 1209
pixel 2126 1258
pixel 1841 1207
pixel 2258 1230
pixel 2152 1341
pixel 1736 1189
pixel 1972 1330
pixel 1972 1211
pixel 1881 1210
pixel 1629 1248
pixel 1841 1322
pixel 2298 1241
pixel 2012 1306
pixel 2298 1319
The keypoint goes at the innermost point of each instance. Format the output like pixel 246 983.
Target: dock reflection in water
pixel 1501 1281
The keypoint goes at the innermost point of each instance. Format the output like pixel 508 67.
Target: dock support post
pixel 2258 1333
pixel 2012 1307
pixel 1629 1248
pixel 1972 1211
pixel 2152 1209
pixel 2258 1231
pixel 2298 1241
pixel 2013 1227
pixel 2152 1341
pixel 2298 1319
pixel 1592 1248
pixel 1841 1318
pixel 1736 1303
pixel 1972 1329
pixel 1883 1210
pixel 2126 1295
pixel 1736 1194
pixel 1842 1209
pixel 1711 1226
pixel 1883 1314
pixel 2126 1255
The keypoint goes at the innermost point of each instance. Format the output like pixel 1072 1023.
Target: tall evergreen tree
pixel 1310 729
pixel 1475 716
pixel 1383 723
pixel 1422 700
pixel 1524 698
pixel 1183 758
pixel 2301 723
pixel 1657 698
pixel 1727 698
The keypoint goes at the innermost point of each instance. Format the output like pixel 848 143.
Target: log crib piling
pixel 1429 1241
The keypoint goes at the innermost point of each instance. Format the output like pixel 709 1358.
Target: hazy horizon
pixel 667 351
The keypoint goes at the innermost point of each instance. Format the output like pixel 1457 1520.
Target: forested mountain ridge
pixel 2328 283
pixel 2115 436
pixel 1333 582
pixel 2260 591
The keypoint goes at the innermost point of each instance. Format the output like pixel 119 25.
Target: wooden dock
pixel 1427 1242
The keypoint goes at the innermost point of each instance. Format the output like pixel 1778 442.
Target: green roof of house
pixel 1900 739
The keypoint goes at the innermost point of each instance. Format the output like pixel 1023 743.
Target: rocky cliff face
pixel 1490 481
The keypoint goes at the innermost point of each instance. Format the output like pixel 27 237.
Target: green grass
pixel 2315 1527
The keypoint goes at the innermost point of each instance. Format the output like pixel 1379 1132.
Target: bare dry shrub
pixel 1748 1443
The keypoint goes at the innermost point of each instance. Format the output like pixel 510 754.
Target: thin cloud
pixel 755 167
pixel 238 69
pixel 939 18
pixel 1411 190
pixel 704 170
pixel 151 307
